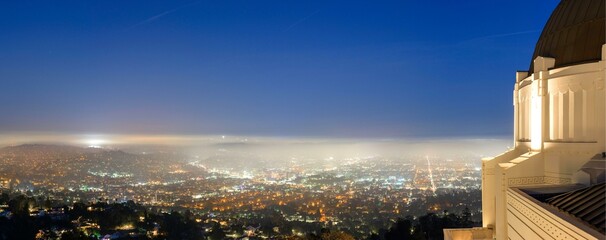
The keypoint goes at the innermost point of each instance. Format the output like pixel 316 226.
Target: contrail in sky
pixel 155 17
pixel 301 20
pixel 501 35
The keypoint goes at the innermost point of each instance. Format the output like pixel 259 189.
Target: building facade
pixel 559 137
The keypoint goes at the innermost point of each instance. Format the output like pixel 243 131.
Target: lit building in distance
pixel 551 184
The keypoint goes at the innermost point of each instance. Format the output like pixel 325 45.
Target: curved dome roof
pixel 574 33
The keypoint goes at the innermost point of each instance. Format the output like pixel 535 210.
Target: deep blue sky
pixel 271 68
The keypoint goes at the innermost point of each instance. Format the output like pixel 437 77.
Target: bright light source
pixel 95 142
pixel 536 119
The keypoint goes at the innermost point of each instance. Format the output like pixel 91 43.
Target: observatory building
pixel 551 184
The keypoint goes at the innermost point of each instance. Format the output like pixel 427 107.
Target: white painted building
pixel 559 138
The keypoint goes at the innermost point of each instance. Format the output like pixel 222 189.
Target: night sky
pixel 265 68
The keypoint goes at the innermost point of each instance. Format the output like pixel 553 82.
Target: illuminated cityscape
pixel 358 195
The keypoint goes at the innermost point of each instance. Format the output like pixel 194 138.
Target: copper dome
pixel 574 33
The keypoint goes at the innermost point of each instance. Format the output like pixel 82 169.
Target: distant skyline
pixel 342 69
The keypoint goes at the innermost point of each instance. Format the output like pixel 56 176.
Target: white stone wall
pixel 574 105
pixel 575 94
pixel 559 124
